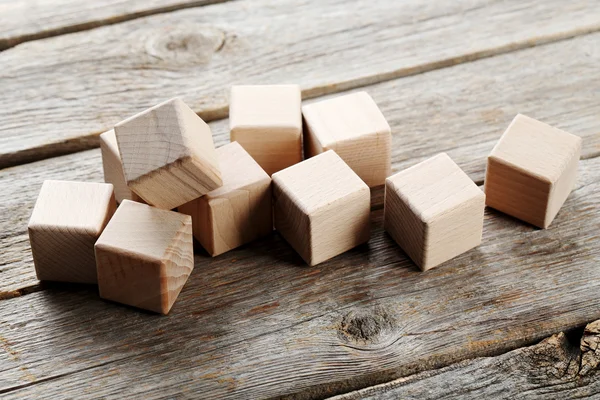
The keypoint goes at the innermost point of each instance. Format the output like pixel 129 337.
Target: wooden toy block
pixel 531 171
pixel 355 128
pixel 434 211
pixel 267 121
pixel 113 168
pixel 144 256
pixel 67 219
pixel 168 155
pixel 239 211
pixel 321 207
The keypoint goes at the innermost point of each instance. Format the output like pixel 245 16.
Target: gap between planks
pixel 12 41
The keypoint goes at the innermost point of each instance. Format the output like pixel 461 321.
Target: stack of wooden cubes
pixel 305 171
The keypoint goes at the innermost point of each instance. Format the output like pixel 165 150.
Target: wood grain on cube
pixel 355 128
pixel 239 211
pixel 113 168
pixel 67 219
pixel 434 211
pixel 168 154
pixel 531 170
pixel 144 256
pixel 321 207
pixel 266 120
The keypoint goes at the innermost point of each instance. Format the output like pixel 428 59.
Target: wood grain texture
pixel 267 121
pixel 552 369
pixel 67 219
pixel 303 335
pixel 238 212
pixel 168 155
pixel 321 207
pixel 199 53
pixel 113 167
pixel 467 109
pixel 531 170
pixel 352 125
pixel 433 211
pixel 22 21
pixel 144 256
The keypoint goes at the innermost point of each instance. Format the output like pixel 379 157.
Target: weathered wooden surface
pixel 552 369
pixel 256 323
pixel 59 93
pixel 21 21
pixel 463 113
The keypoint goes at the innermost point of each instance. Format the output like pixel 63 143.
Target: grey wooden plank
pixel 22 21
pixel 255 323
pixel 552 369
pixel 462 110
pixel 59 93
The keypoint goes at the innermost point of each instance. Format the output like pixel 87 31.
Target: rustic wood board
pixel 22 21
pixel 255 322
pixel 463 111
pixel 59 93
pixel 552 369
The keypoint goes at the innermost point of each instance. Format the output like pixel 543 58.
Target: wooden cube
pixel 67 219
pixel 113 168
pixel 322 207
pixel 144 256
pixel 168 155
pixel 434 211
pixel 355 128
pixel 239 211
pixel 267 121
pixel 531 171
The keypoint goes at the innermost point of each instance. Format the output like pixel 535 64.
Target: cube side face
pixel 63 255
pixel 273 149
pixel 113 168
pixel 340 226
pixel 175 184
pixel 453 232
pixel 370 156
pixel 202 222
pixel 241 217
pixel 516 193
pixel 291 222
pixel 128 279
pixel 177 265
pixel 403 225
pixel 562 188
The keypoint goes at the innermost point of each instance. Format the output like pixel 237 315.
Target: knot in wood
pixel 367 325
pixel 186 44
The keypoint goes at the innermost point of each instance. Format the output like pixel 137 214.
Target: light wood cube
pixel 531 171
pixel 144 256
pixel 322 207
pixel 113 168
pixel 168 155
pixel 267 121
pixel 355 128
pixel 434 211
pixel 239 211
pixel 67 219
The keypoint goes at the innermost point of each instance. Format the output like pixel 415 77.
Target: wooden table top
pixel 256 322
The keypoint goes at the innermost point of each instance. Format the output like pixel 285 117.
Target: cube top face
pixel 160 136
pixel 345 118
pixel 266 106
pixel 80 206
pixel 142 230
pixel 537 149
pixel 238 170
pixel 319 181
pixel 433 187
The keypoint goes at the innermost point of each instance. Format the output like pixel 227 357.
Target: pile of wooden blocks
pixel 141 253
